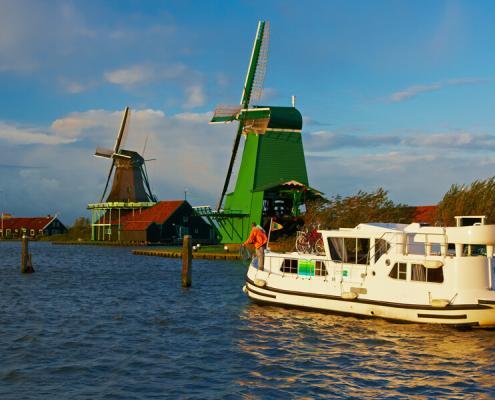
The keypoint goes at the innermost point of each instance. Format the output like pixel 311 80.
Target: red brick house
pixel 14 228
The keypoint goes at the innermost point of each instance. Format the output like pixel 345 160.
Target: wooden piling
pixel 26 263
pixel 186 261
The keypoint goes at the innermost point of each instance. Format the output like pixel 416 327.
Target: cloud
pixel 323 143
pixel 412 177
pixel 23 49
pixel 190 80
pixel 75 87
pixel 415 90
pixel 19 135
pixel 145 73
pixel 130 76
pixel 321 140
pixel 189 154
pixel 195 96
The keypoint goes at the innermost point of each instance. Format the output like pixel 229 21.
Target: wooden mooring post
pixel 26 261
pixel 186 261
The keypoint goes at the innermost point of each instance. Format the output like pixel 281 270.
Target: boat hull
pixel 475 315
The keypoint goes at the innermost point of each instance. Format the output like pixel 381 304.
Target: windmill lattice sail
pixel 225 113
pixel 259 76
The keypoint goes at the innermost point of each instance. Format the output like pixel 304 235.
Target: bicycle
pixel 310 241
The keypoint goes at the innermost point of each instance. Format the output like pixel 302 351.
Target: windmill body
pixel 130 180
pixel 272 179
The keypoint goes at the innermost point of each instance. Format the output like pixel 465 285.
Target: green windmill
pixel 272 180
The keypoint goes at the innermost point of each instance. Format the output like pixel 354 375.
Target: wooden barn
pixel 15 228
pixel 165 222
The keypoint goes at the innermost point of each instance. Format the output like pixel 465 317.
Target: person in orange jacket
pixel 259 239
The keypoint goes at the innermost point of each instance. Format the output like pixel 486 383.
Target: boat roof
pixel 383 226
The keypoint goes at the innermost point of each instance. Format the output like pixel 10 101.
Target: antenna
pixel 145 143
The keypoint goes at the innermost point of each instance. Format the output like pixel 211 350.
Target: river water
pixel 100 323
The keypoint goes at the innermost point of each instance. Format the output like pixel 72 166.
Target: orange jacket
pixel 257 237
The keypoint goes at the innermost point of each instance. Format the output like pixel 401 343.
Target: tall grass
pixel 477 198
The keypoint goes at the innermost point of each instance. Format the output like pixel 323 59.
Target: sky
pixel 394 94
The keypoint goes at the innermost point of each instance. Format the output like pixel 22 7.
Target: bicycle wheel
pixel 302 244
pixel 319 247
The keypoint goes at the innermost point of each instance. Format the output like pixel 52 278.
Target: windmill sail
pixel 257 63
pixel 102 152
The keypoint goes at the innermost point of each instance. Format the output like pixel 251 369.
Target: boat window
pixel 473 250
pixel 413 247
pixel 434 275
pixel 420 273
pixel 436 249
pixel 350 250
pixel 320 269
pixel 399 271
pixel 362 251
pixel 336 246
pixel 451 249
pixel 289 266
pixel 381 248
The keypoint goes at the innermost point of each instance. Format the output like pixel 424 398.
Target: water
pixel 100 323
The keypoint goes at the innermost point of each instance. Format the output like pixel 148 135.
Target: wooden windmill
pixel 130 181
pixel 273 155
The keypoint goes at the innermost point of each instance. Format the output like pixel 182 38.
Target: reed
pixel 477 198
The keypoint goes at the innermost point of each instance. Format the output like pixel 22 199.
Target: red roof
pixel 425 214
pixel 159 214
pixel 35 223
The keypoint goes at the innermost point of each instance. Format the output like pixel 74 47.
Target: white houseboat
pixel 413 273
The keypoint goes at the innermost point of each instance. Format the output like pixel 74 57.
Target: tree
pixel 348 212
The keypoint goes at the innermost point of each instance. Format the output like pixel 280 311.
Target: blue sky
pixel 394 94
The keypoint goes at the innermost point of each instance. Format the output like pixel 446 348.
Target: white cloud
pixel 320 143
pixel 130 76
pixel 188 152
pixel 19 135
pixel 195 96
pixel 191 154
pixel 415 90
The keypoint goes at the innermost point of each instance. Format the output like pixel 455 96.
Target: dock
pixel 195 255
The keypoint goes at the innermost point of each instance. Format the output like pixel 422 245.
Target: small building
pixel 34 227
pixel 165 222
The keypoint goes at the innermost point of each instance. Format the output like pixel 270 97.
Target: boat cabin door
pixel 353 257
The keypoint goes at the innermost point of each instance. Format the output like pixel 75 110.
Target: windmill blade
pixel 257 64
pixel 122 131
pixel 144 172
pixel 259 77
pixel 102 152
pixel 108 180
pixel 225 114
pixel 121 156
pixel 231 165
